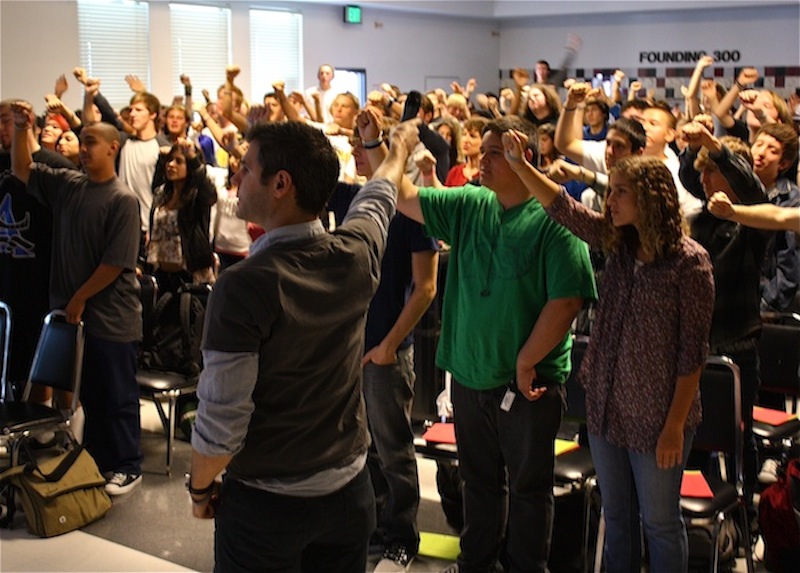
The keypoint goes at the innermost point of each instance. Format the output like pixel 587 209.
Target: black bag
pixel 174 345
pixel 700 538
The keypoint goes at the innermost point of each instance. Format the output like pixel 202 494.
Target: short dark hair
pixel 639 104
pixel 600 104
pixel 665 107
pixel 633 131
pixel 786 136
pixel 509 122
pixel 305 153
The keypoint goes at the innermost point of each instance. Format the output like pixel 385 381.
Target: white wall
pixel 38 41
pixel 763 35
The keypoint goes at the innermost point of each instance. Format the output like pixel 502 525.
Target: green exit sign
pixel 352 14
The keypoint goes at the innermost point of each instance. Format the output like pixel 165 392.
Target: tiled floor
pixel 151 529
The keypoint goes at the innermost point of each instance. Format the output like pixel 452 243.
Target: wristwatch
pixel 195 491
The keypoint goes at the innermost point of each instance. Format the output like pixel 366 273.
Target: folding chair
pixel 58 363
pixel 779 353
pixel 5 343
pixel 720 433
pixel 165 385
pixel 574 470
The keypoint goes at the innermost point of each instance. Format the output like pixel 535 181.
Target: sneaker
pixel 120 483
pixel 395 560
pixel 769 471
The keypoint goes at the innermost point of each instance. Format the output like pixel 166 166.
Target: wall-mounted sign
pixel 685 56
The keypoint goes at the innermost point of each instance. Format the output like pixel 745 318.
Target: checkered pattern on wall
pixel 667 81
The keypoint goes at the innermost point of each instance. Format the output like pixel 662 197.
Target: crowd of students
pixel 690 213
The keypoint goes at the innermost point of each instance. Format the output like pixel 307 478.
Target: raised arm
pixel 107 113
pixel 723 109
pixel 568 137
pixel 21 151
pixel 616 84
pixel 369 129
pixel 690 93
pixel 61 86
pixel 228 109
pixel 296 98
pixel 762 216
pixel 426 163
pixel 521 79
pixel 216 131
pixel 289 110
pixel 56 105
pixel 563 171
pixel 187 92
pixel 541 187
pixel 136 85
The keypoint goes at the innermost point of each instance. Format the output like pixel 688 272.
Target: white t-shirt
pixel 326 100
pixel 690 205
pixel 228 231
pixel 137 165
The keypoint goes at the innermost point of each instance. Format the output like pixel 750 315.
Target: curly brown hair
pixel 662 226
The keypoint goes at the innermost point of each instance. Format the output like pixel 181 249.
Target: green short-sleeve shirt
pixel 504 266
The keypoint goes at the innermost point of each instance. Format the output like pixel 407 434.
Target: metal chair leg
pixel 173 403
pixel 748 543
pixel 601 541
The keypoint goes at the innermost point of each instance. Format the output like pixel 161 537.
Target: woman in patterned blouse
pixel 649 343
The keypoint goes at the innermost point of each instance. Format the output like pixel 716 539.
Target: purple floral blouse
pixel 652 325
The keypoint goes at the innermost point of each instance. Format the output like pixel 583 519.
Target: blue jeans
pixel 263 532
pixel 631 484
pixel 517 504
pixel 110 398
pixel 389 395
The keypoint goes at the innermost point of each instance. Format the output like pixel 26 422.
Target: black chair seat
pixel 162 381
pixel 17 417
pixel 156 385
pixel 725 498
pixel 776 433
pixel 575 466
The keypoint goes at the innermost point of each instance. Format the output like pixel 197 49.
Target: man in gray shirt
pixel 281 406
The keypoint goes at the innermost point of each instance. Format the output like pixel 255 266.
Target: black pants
pixel 262 532
pixel 492 442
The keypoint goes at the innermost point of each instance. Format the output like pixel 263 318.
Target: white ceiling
pixel 507 9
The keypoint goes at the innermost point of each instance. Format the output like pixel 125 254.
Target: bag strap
pixel 186 319
pixel 59 471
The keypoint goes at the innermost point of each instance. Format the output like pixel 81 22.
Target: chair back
pixel 779 351
pixel 58 360
pixel 721 428
pixel 5 343
pixel 576 397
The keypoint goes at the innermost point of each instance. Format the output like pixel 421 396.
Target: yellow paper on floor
pixel 564 446
pixel 438 545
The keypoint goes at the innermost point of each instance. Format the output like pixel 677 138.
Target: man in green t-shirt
pixel 515 282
